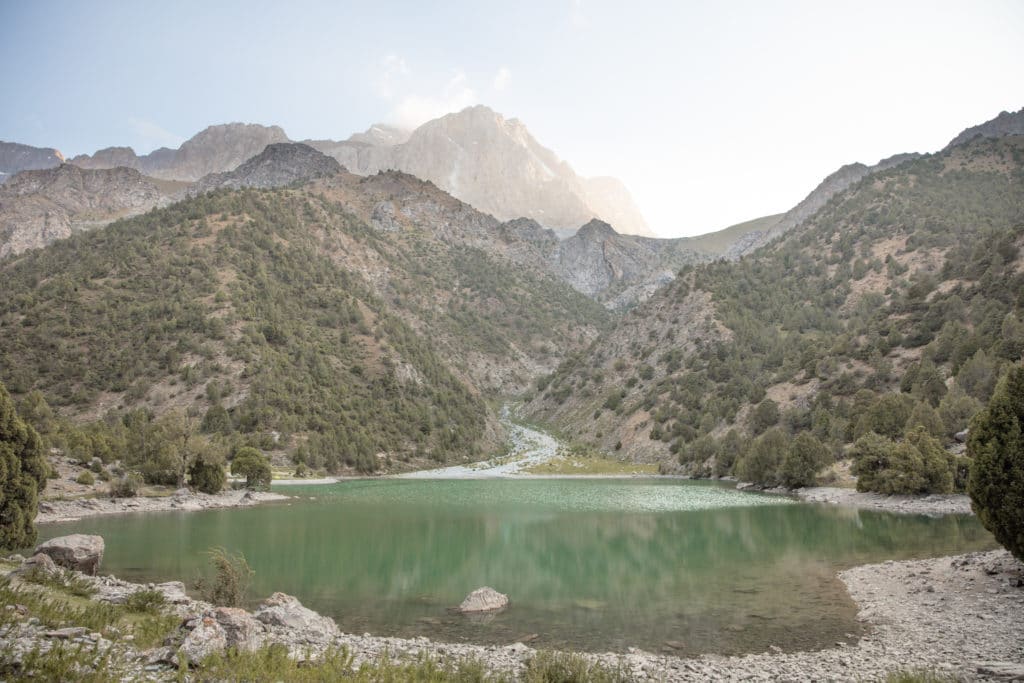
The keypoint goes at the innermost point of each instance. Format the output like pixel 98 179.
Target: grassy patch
pixel 273 664
pixel 581 465
pixel 56 606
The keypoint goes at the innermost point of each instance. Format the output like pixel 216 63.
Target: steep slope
pixel 15 158
pixel 497 166
pixel 215 149
pixel 831 186
pixel 38 207
pixel 898 300
pixel 278 165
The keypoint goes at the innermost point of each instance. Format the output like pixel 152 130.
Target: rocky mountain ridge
pixel 1007 123
pixel 16 157
pixel 40 206
pixel 278 165
pixel 215 149
pixel 477 155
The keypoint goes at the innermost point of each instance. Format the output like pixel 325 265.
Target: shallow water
pixel 589 564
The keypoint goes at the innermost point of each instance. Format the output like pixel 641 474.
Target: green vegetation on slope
pixel 897 306
pixel 22 476
pixel 227 300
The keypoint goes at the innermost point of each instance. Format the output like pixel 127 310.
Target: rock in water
pixel 80 552
pixel 285 610
pixel 484 599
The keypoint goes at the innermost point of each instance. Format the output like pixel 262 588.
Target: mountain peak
pixel 279 164
pixel 596 228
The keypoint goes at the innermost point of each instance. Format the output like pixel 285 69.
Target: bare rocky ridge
pixel 15 158
pixel 1006 123
pixel 278 165
pixel 497 166
pixel 38 207
pixel 213 150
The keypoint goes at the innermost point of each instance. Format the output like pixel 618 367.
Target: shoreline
pixel 53 511
pixel 959 616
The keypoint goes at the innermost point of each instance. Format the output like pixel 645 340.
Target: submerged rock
pixel 484 599
pixel 79 552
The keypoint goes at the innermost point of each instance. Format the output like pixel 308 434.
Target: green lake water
pixel 588 564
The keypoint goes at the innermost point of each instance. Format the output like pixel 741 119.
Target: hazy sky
pixel 712 113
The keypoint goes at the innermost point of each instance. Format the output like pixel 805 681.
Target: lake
pixel 592 564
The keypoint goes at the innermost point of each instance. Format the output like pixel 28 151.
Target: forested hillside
pixel 897 305
pixel 285 316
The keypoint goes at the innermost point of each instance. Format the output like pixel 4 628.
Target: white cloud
pixel 577 18
pixel 150 135
pixel 414 109
pixel 501 79
pixel 393 73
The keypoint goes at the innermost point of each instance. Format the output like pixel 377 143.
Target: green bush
pixel 126 486
pixel 760 464
pixel 996 443
pixel 22 476
pixel 231 578
pixel 805 457
pixel 916 465
pixel 86 478
pixel 251 464
pixel 206 474
pixel 765 415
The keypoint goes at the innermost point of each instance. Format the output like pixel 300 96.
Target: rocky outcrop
pixel 215 149
pixel 39 207
pixel 241 630
pixel 15 158
pixel 205 638
pixel 285 611
pixel 618 270
pixel 79 552
pixel 484 599
pixel 1007 123
pixel 278 165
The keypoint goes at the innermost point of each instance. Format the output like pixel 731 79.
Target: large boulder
pixel 205 638
pixel 484 599
pixel 242 630
pixel 80 552
pixel 286 611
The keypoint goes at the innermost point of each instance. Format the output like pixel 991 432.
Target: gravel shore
pixel 935 504
pixel 184 500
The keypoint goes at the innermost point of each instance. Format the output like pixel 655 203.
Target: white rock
pixel 484 599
